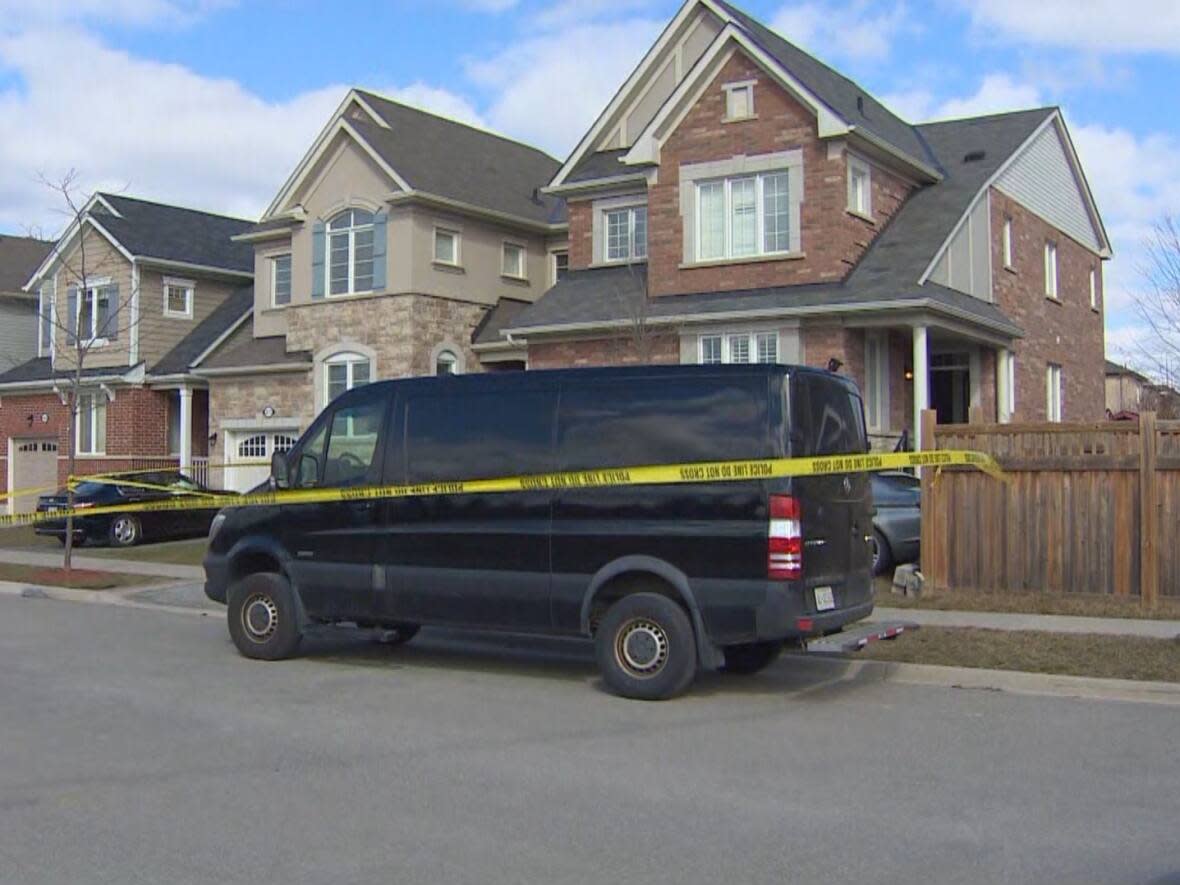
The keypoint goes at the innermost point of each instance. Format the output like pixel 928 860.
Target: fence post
pixel 1149 576
pixel 931 560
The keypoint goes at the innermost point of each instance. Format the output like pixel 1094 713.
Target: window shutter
pixel 379 221
pixel 317 259
pixel 72 315
pixel 110 315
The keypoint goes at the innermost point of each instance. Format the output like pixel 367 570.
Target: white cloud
pixel 548 89
pixel 573 12
pixel 1098 25
pixel 16 15
pixel 997 92
pixel 857 30
pixel 154 130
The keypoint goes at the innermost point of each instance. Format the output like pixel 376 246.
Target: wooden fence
pixel 1090 508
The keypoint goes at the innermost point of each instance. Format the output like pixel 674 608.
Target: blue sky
pixel 212 102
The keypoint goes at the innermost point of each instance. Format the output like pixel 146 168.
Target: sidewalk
pixel 1047 623
pixel 102 564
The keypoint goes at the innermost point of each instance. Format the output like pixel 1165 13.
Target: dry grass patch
pixel 1086 605
pixel 1114 657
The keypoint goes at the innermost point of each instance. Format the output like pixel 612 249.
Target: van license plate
pixel 825 599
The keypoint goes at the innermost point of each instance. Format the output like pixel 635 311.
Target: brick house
pixel 152 288
pixel 401 244
pixel 738 200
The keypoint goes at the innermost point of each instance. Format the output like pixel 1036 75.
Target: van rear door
pixel 827 418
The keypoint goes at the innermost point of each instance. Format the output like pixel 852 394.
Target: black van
pixel 665 578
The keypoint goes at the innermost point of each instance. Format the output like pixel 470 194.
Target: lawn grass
pixel 1069 654
pixel 78 579
pixel 1087 605
pixel 189 552
pixel 24 537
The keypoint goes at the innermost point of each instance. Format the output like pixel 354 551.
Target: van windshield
pixel 828 417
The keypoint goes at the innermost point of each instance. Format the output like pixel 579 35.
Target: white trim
pixel 856 164
pixel 1054 393
pixel 133 324
pixel 746 86
pixel 524 260
pixel 272 261
pixel 264 369
pixel 413 196
pixel 456 235
pixel 351 231
pixel 168 264
pixel 1054 119
pixel 1051 270
pixel 600 229
pixel 189 287
pixel 95 405
pixel 880 390
pixel 1007 254
pixel 448 346
pixel 553 251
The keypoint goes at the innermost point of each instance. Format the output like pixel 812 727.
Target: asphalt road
pixel 137 746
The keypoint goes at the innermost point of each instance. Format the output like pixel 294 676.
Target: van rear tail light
pixel 784 560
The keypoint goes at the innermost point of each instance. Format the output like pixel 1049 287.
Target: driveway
pixel 137 746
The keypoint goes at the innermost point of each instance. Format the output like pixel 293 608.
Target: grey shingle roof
pixel 841 94
pixel 39 369
pixel 171 233
pixel 270 351
pixel 19 257
pixel 902 251
pixel 459 162
pixel 611 294
pixel 200 339
pixel 499 317
pixel 600 164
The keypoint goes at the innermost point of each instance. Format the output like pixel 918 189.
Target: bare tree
pixel 643 337
pixel 1159 304
pixel 82 322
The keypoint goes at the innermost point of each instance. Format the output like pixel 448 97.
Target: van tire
pixel 263 617
pixel 750 657
pixel 646 648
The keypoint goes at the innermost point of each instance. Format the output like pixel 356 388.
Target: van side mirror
pixel 278 471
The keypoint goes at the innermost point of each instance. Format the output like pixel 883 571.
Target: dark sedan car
pixel 897 524
pixel 128 529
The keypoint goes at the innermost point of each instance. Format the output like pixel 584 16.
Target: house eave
pixel 417 196
pixel 228 371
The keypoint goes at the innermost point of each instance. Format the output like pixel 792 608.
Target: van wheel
pixel 750 657
pixel 263 617
pixel 646 648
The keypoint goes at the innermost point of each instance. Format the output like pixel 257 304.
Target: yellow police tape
pixel 119 478
pixel 665 474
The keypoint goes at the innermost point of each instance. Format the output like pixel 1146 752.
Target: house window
pixel 446 247
pixel 739 100
pixel 253 447
pixel 876 382
pixel 1006 242
pixel 1051 269
pixel 626 233
pixel 45 319
pixel 1093 288
pixel 280 267
pixel 350 252
pixel 174 422
pixel 178 298
pixel 446 363
pixel 1053 392
pixel 739 348
pixel 743 217
pixel 860 190
pixel 343 372
pixel 92 424
pixel 560 267
pixel 93 312
pixel 512 263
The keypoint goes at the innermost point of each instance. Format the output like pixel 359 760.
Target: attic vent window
pixel 739 100
pixel 974 156
pixel 860 103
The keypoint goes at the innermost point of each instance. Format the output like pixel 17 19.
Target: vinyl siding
pixel 158 334
pixel 966 264
pixel 100 259
pixel 18 331
pixel 1042 180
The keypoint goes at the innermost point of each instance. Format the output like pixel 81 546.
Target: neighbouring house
pixel 402 244
pixel 738 200
pixel 154 288
pixel 1129 392
pixel 19 257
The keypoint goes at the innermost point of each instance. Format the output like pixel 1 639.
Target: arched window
pixel 446 363
pixel 350 252
pixel 343 372
pixel 253 447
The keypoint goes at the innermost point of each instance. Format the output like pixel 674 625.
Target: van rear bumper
pixel 789 607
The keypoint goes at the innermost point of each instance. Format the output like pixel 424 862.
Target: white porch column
pixel 186 429
pixel 921 382
pixel 1003 388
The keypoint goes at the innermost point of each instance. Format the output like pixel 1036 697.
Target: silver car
pixel 897 523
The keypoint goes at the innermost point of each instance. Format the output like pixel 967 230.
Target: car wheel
pixel 396 634
pixel 125 531
pixel 646 648
pixel 751 657
pixel 882 556
pixel 263 617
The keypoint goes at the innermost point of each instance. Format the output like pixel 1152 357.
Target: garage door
pixel 249 453
pixel 34 465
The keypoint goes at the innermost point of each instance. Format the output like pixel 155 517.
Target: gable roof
pixel 171 233
pixel 19 257
pixel 224 318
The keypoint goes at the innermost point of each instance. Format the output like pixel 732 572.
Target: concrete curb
pixel 1011 681
pixel 99 597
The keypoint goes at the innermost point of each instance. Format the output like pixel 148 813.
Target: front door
pixel 332 544
pixel 950 387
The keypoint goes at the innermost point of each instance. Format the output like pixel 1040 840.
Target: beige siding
pixel 96 257
pixel 158 334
